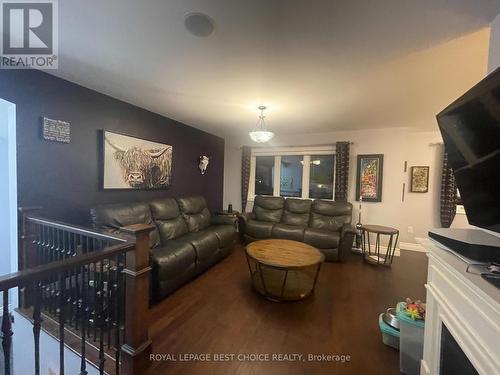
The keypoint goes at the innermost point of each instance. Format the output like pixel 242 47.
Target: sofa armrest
pixel 246 216
pixel 224 220
pixel 242 221
pixel 346 240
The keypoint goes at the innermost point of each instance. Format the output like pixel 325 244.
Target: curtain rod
pixel 330 144
pixel 436 144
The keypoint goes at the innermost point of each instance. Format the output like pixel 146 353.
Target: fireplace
pixel 453 360
pixel 462 329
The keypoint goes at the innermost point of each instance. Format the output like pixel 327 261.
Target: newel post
pixel 26 251
pixel 137 344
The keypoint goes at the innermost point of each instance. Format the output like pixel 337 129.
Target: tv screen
pixel 471 133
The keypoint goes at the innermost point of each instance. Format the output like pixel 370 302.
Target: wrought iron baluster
pixel 78 295
pixel 109 303
pixel 61 281
pixel 58 240
pixel 7 333
pixel 118 287
pixel 37 323
pixel 53 247
pixel 95 301
pixel 84 318
pixel 100 317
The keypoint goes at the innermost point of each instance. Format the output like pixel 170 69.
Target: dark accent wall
pixel 64 178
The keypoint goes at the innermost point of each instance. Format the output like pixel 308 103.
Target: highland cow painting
pixel 135 163
pixel 369 177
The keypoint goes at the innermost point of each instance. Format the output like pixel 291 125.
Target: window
pixel 306 172
pixel 321 176
pixel 291 176
pixel 264 175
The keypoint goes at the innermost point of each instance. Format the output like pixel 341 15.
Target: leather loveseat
pixel 186 240
pixel 323 224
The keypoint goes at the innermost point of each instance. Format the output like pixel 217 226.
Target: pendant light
pixel 260 134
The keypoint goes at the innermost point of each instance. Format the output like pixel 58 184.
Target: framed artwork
pixel 419 179
pixel 134 163
pixel 369 177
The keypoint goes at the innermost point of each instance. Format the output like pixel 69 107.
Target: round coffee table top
pixel 284 253
pixel 379 229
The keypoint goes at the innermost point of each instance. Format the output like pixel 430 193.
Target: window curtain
pixel 448 206
pixel 245 176
pixel 341 171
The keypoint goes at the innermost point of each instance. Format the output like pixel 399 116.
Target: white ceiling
pixel 309 61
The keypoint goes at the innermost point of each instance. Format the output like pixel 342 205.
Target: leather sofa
pixel 186 240
pixel 323 224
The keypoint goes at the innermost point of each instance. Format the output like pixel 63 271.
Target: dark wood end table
pixel 375 257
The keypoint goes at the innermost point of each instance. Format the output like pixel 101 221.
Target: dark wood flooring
pixel 219 313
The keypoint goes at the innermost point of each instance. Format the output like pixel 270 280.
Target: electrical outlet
pixel 410 229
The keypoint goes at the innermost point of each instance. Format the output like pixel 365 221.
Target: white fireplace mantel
pixel 468 305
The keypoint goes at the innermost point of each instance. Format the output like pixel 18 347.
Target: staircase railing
pixel 92 283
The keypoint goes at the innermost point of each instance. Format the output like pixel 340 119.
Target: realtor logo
pixel 29 34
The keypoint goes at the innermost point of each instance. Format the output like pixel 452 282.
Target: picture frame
pixel 369 177
pixel 133 163
pixel 419 179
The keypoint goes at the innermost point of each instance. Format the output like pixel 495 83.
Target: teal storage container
pixel 390 335
pixel 411 342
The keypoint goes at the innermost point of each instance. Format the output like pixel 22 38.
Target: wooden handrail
pixel 26 276
pixel 76 229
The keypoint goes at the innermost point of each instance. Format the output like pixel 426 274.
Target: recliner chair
pixel 323 224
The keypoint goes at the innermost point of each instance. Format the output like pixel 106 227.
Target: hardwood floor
pixel 219 313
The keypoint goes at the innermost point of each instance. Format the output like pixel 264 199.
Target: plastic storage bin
pixel 411 343
pixel 390 336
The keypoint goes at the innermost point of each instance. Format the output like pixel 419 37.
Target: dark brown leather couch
pixel 323 224
pixel 186 240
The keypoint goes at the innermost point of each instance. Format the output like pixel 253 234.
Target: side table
pixel 234 214
pixel 375 257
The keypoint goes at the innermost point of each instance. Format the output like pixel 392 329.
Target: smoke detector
pixel 199 24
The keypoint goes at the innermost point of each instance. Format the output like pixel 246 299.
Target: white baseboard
pixel 383 250
pixel 412 247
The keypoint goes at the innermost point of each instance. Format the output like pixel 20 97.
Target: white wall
pixel 8 193
pixel 494 55
pixel 419 210
pixel 8 187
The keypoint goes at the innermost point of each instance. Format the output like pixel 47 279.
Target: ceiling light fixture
pixel 199 24
pixel 260 134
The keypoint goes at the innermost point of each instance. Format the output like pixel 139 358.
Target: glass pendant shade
pixel 260 134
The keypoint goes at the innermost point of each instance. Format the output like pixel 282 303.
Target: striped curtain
pixel 448 206
pixel 245 175
pixel 341 171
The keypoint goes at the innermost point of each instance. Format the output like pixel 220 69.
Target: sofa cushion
pixel 225 233
pixel 331 223
pixel 288 232
pixel 268 208
pixel 330 215
pixel 111 217
pixel 173 259
pixel 173 265
pixel 195 212
pixel 259 229
pixel 321 239
pixel 168 219
pixel 296 212
pixel 205 243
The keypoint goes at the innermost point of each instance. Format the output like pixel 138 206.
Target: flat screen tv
pixel 470 127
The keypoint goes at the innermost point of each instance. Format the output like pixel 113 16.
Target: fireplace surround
pixel 462 319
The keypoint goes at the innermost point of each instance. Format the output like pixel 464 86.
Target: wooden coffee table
pixel 283 270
